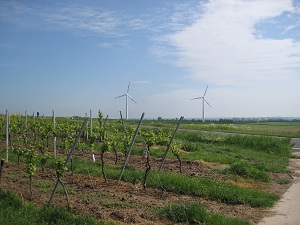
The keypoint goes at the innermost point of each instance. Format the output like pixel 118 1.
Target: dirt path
pixel 286 211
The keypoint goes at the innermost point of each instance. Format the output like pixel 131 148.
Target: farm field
pixel 280 129
pixel 226 178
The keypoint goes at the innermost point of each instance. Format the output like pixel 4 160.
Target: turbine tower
pixel 203 100
pixel 127 96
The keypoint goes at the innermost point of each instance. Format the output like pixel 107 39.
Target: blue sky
pixel 73 56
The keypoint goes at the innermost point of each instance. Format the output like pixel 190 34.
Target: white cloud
pixel 80 19
pixel 222 46
pixel 112 44
pixel 83 19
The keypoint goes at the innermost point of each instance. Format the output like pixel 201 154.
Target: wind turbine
pixel 127 96
pixel 203 100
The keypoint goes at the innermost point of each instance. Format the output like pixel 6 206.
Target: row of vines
pixel 33 140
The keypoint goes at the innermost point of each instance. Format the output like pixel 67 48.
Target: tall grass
pixel 15 211
pixel 264 153
pixel 279 146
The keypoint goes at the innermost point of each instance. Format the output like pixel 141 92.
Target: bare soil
pixel 128 203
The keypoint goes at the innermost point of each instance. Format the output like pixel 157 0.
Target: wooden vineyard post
pixel 122 119
pixel 148 166
pixel 54 138
pixel 168 148
pixel 69 157
pixel 103 135
pixel 87 132
pixel 91 122
pixel 7 134
pixel 105 120
pixel 26 130
pixel 131 145
pixel 1 167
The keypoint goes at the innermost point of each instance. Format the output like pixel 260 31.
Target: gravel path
pixel 286 211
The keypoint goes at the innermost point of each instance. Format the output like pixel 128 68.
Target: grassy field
pixel 280 129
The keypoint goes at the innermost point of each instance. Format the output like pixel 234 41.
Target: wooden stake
pixel 168 148
pixel 148 166
pixel 131 145
pixel 1 168
pixel 69 157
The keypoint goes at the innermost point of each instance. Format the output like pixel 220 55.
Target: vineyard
pixel 121 172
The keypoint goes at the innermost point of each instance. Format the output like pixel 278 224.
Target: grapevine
pixel 30 159
pixel 60 168
pixel 175 148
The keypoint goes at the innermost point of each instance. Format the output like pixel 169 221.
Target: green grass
pixel 278 146
pixel 15 211
pixel 43 186
pixel 263 153
pixel 280 129
pixel 194 213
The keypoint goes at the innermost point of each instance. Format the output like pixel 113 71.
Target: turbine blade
pixel 131 98
pixel 207 102
pixel 128 87
pixel 196 98
pixel 205 91
pixel 120 96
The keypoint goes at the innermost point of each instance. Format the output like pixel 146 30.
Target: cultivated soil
pixel 127 203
